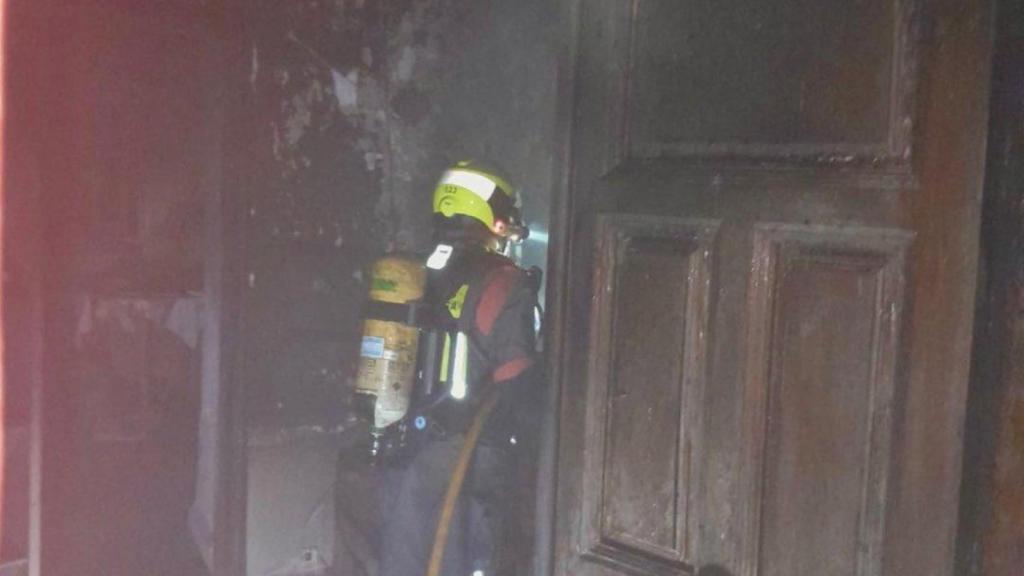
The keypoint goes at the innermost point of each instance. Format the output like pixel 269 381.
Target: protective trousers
pixel 412 496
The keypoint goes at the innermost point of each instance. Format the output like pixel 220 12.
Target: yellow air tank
pixel 387 363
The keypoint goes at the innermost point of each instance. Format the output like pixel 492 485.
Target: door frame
pixel 220 533
pixel 557 337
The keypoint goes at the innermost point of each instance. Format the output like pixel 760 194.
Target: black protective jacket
pixel 491 302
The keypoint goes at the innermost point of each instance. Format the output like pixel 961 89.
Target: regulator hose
pixel 451 496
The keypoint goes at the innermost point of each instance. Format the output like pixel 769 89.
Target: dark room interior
pixel 780 328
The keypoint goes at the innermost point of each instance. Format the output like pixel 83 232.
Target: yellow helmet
pixel 470 190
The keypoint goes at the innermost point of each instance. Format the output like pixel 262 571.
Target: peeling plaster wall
pixel 473 80
pixel 362 104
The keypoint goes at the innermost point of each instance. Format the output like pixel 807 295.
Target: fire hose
pixel 458 477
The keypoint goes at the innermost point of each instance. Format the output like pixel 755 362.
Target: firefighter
pixel 486 306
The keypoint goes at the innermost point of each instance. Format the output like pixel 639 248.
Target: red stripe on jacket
pixel 511 369
pixel 492 301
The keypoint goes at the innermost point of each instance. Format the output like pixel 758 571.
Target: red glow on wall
pixel 3 196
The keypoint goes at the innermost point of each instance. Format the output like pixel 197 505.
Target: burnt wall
pixel 360 105
pixel 363 105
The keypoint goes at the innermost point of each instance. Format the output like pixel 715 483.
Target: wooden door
pixel 769 267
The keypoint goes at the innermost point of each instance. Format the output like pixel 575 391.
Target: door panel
pixel 829 80
pixel 778 76
pixel 825 313
pixel 802 180
pixel 652 304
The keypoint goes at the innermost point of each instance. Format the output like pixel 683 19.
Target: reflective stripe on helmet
pixel 475 182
